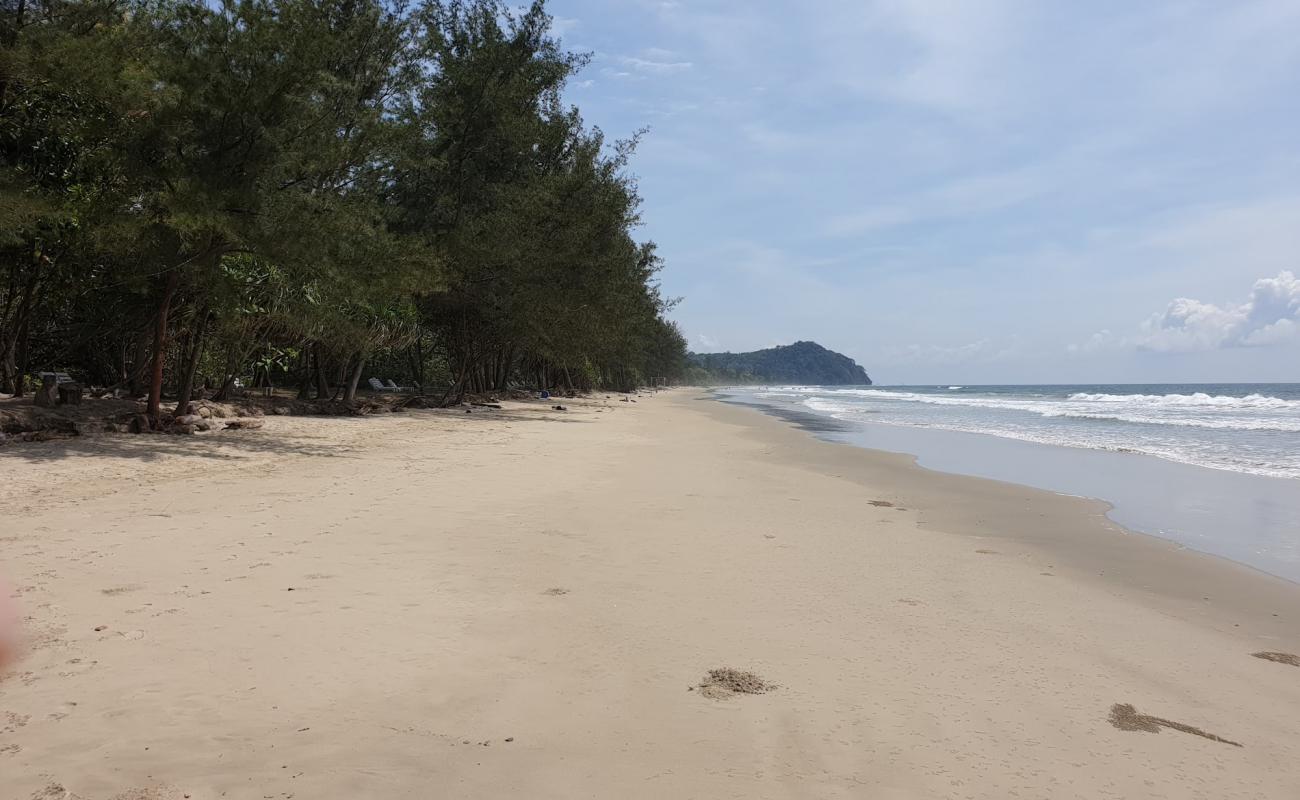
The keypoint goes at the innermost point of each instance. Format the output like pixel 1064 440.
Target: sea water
pixel 1253 428
pixel 1213 466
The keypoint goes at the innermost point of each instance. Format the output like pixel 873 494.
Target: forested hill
pixel 801 362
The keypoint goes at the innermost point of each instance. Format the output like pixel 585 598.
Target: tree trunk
pixel 322 385
pixel 192 363
pixel 340 378
pixel 351 395
pixel 418 373
pixel 230 374
pixel 152 411
pixel 304 375
pixel 456 391
pixel 24 342
pixel 223 392
pixel 135 382
pixel 16 357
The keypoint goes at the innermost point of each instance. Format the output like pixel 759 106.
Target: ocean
pixel 1251 428
pixel 1215 467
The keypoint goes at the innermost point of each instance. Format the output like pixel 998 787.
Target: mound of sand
pixel 727 682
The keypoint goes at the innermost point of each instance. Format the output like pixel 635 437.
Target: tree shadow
pixel 221 445
pixel 486 415
pixel 217 445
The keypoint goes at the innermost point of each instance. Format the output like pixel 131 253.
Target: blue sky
pixel 982 191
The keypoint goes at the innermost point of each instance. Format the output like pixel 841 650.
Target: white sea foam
pixel 1256 433
pixel 1258 412
pixel 1223 424
pixel 1199 399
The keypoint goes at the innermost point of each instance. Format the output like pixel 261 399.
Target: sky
pixel 991 191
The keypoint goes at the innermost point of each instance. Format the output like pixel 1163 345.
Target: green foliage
pixel 800 363
pixel 297 188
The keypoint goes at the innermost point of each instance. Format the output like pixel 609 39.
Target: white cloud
pixel 1271 315
pixel 561 26
pixel 708 343
pixel 653 66
pixel 1099 342
pixel 930 173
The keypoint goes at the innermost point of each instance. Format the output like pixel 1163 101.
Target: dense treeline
pixel 310 191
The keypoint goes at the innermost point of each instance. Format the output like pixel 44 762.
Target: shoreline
pixel 1090 543
pixel 528 601
pixel 1245 518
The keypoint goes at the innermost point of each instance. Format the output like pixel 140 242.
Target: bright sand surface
pixel 515 603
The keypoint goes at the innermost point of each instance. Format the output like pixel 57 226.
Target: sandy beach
pixel 525 602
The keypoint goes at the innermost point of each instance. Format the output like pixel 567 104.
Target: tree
pixel 200 189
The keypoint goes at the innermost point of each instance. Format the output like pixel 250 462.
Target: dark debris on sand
pixel 726 682
pixel 1125 717
pixel 1280 658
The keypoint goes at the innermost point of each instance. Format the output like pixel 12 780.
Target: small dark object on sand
pixel 1125 717
pixel 559 408
pixel 1279 658
pixel 725 682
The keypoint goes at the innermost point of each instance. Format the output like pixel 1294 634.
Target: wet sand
pixel 668 598
pixel 1250 519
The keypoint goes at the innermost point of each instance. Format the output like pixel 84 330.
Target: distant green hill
pixel 801 362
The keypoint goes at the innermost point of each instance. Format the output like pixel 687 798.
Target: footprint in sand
pixel 159 793
pixel 116 590
pixel 13 722
pixel 988 552
pixel 1125 717
pixel 880 503
pixel 555 591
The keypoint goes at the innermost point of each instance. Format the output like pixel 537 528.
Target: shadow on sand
pixel 318 438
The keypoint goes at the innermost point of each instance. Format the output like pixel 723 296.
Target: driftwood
pixel 243 424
